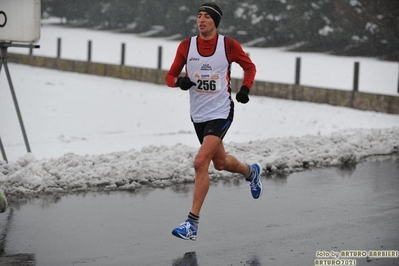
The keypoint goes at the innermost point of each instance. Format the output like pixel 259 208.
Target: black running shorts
pixel 217 127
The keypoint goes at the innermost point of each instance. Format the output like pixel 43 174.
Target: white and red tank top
pixel 210 98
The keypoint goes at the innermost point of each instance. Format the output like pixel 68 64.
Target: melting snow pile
pixel 167 166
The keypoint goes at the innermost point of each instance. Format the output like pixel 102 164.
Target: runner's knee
pixel 200 164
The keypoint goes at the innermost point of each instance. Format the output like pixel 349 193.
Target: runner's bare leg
pixel 212 149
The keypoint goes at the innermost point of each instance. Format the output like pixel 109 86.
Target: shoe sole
pixel 193 238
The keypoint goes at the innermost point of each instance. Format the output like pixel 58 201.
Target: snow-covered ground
pixel 89 132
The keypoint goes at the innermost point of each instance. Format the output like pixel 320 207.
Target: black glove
pixel 242 95
pixel 184 83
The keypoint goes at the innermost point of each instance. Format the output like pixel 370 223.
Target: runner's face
pixel 205 23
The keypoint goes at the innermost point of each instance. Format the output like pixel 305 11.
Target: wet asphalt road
pixel 336 209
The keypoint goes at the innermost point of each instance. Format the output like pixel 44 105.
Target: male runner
pixel 208 58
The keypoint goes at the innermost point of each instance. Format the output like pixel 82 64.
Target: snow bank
pixel 160 166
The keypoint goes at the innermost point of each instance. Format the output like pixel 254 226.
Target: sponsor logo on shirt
pixel 206 67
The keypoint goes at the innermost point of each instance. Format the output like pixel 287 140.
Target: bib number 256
pixel 206 85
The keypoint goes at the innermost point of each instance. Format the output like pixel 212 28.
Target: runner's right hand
pixel 184 83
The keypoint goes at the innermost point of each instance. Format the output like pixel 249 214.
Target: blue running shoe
pixel 186 231
pixel 256 184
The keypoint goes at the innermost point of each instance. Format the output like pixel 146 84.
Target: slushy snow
pixel 161 166
pixel 97 133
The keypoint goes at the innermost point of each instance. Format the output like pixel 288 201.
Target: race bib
pixel 208 83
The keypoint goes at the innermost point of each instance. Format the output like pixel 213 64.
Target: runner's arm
pixel 235 53
pixel 178 63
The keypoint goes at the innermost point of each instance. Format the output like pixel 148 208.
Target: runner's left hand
pixel 242 95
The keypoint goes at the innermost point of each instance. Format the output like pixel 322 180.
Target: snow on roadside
pixel 161 166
